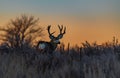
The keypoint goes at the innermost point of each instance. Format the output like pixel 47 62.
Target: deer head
pixel 44 46
pixel 56 39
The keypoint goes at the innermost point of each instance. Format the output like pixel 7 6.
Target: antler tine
pixel 53 32
pixel 64 30
pixel 49 30
pixel 60 28
pixel 61 33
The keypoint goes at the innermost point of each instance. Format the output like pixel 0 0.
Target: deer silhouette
pixel 49 47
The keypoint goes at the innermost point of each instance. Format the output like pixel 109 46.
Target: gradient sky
pixel 92 20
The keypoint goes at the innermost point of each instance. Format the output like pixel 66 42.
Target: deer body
pixel 49 47
pixel 46 46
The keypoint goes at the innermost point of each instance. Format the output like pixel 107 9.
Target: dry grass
pixel 89 61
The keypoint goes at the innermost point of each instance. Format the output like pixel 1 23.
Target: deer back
pixel 45 47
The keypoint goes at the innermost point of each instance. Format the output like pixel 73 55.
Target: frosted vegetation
pixel 87 61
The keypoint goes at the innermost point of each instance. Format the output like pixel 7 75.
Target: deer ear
pixel 51 37
pixel 60 36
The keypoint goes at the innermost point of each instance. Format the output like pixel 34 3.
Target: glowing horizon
pixel 84 19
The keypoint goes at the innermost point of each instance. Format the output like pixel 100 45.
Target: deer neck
pixel 54 45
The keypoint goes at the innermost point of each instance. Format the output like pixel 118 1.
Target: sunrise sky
pixel 91 20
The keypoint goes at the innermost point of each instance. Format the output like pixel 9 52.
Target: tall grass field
pixel 86 61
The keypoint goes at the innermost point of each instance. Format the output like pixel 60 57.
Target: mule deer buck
pixel 49 47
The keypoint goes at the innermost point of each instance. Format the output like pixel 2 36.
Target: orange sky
pixel 85 20
pixel 92 29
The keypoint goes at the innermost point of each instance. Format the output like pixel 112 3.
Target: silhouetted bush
pixel 21 32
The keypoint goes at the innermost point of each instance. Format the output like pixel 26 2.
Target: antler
pixel 61 29
pixel 50 34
